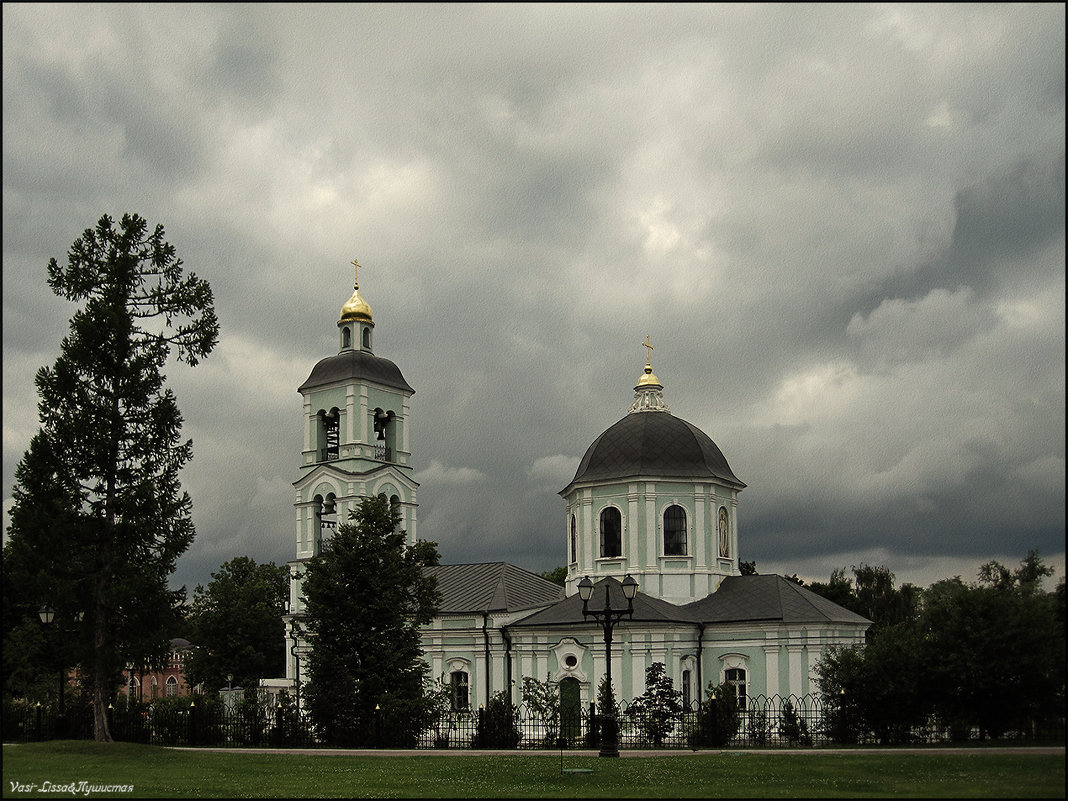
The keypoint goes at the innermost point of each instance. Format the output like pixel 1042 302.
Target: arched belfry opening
pixel 385 428
pixel 325 518
pixel 328 434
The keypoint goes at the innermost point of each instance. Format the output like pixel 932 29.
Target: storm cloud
pixel 841 226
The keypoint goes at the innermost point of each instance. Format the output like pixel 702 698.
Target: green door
pixel 570 709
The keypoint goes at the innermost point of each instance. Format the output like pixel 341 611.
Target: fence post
pixel 713 724
pixel 480 729
pixel 593 732
pixel 38 720
pixel 192 722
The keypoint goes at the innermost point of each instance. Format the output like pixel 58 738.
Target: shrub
pixel 717 719
pixel 543 699
pixel 793 728
pixel 657 710
pixel 498 723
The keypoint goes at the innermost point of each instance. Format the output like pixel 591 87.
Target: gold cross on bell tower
pixel 356 264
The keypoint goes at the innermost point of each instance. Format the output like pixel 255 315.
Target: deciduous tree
pixel 236 624
pixel 558 575
pixel 988 655
pixel 543 699
pixel 873 595
pixel 996 649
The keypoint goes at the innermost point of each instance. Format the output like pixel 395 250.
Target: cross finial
pixel 648 353
pixel 355 263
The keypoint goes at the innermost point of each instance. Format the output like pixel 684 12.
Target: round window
pixel 570 661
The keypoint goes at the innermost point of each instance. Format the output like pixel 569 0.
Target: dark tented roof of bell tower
pixel 356 364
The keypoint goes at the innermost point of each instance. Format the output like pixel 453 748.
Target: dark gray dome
pixel 357 364
pixel 653 444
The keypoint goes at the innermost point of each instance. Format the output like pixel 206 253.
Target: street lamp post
pixel 47 615
pixel 608 617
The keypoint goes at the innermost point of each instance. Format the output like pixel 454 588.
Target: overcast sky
pixel 841 226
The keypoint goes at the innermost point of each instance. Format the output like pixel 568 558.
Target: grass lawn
pixel 157 772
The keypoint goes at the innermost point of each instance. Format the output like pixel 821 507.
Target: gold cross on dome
pixel 355 263
pixel 648 353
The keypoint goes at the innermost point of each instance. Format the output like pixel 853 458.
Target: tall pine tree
pixel 100 518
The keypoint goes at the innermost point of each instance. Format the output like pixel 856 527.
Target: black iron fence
pixel 767 722
pixel 774 722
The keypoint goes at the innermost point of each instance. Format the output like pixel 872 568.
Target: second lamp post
pixel 608 617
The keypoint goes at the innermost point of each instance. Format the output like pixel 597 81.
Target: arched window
pixel 611 532
pixel 736 678
pixel 574 541
pixel 687 697
pixel 346 337
pixel 172 686
pixel 724 533
pixel 458 683
pixel 367 338
pixel 675 531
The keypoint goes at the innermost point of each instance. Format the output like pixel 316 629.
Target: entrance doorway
pixel 570 709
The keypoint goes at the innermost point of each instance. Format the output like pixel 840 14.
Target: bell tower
pixel 356 413
pixel 356 437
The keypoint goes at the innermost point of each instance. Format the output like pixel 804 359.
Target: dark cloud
pixel 1002 225
pixel 843 228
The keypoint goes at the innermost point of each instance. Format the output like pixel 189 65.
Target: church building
pixel 653 501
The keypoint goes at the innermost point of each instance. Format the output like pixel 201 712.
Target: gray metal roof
pixel 491 587
pixel 501 587
pixel 647 609
pixel 739 599
pixel 357 364
pixel 653 444
pixel 772 598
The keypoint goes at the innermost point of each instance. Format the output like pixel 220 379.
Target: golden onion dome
pixel 649 380
pixel 356 308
